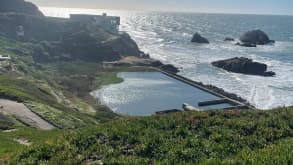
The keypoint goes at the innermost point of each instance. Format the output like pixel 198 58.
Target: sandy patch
pixel 23 142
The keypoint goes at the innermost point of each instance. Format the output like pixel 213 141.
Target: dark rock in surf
pixel 169 68
pixel 246 45
pixel 197 38
pixel 229 39
pixel 243 65
pixel 255 37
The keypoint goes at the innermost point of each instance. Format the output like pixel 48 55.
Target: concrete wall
pixel 109 23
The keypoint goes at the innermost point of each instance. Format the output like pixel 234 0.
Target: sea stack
pixel 197 38
pixel 255 37
pixel 243 65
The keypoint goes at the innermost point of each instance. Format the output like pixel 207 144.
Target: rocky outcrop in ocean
pixel 229 39
pixel 243 65
pixel 197 38
pixel 255 37
pixel 169 68
pixel 246 44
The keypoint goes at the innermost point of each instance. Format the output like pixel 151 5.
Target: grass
pixel 21 89
pixel 61 119
pixel 106 78
pixel 9 147
pixel 212 137
pixel 279 153
pixel 5 122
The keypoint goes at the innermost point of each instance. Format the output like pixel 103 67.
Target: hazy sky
pixel 215 6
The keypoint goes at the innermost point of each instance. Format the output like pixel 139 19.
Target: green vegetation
pixel 108 78
pixel 20 89
pixel 280 153
pixel 9 147
pixel 61 119
pixel 212 137
pixel 5 122
pixel 59 92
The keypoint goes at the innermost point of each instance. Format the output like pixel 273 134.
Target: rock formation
pixel 169 68
pixel 19 6
pixel 245 44
pixel 244 66
pixel 62 39
pixel 255 37
pixel 229 39
pixel 197 38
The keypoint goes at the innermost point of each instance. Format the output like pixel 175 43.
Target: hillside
pixel 19 6
pixel 53 64
pixel 212 137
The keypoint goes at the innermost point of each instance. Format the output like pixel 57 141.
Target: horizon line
pixel 171 11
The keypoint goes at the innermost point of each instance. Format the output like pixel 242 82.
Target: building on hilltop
pixel 109 23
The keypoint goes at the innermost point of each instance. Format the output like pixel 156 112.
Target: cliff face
pixel 62 39
pixel 19 6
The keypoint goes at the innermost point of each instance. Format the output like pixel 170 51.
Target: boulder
pixel 243 65
pixel 255 37
pixel 19 6
pixel 229 39
pixel 197 38
pixel 245 44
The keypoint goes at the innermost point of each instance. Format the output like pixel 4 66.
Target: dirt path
pixel 22 113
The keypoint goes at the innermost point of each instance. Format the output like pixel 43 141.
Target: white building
pixel 109 23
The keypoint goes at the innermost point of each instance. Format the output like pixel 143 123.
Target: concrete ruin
pixel 109 23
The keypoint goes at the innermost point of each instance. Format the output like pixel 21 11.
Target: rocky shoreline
pixel 225 93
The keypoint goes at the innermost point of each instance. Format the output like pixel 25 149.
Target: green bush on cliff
pixel 19 89
pixel 213 137
pixel 5 122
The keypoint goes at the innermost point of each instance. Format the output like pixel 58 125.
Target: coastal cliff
pixel 19 6
pixel 63 39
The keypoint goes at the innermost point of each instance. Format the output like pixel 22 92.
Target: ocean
pixel 166 37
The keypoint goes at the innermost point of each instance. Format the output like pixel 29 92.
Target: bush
pixel 183 138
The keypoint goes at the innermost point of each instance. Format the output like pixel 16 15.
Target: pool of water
pixel 145 93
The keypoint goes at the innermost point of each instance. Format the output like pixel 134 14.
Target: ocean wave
pixel 186 34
